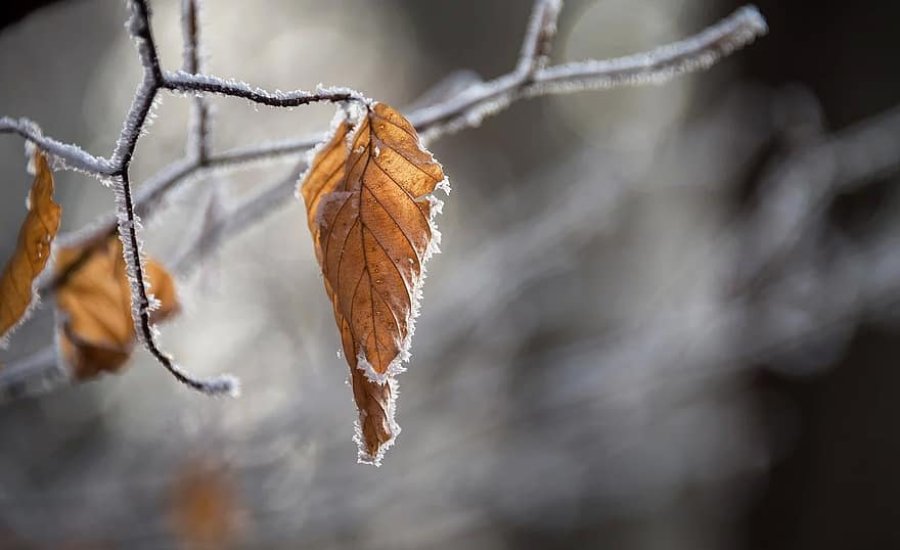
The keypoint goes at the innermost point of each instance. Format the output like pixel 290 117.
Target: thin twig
pixel 237 219
pixel 199 130
pixel 72 157
pixel 128 220
pixel 539 37
pixel 208 84
pixel 659 65
pixel 654 67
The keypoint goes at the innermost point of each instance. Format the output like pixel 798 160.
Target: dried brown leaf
pixel 371 211
pixel 32 250
pixel 205 511
pixel 97 331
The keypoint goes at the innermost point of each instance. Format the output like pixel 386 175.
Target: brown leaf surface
pixel 32 250
pixel 97 331
pixel 370 209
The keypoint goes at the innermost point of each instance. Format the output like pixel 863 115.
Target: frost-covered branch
pixel 128 221
pixel 539 37
pixel 654 67
pixel 465 108
pixel 207 84
pixel 72 157
pixel 471 105
pixel 659 65
pixel 139 28
pixel 198 132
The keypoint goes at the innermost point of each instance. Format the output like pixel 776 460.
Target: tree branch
pixel 468 108
pixel 654 67
pixel 657 66
pixel 128 220
pixel 539 37
pixel 471 105
pixel 71 156
pixel 208 84
pixel 199 129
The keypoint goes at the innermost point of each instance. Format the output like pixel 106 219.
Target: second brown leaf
pixel 96 331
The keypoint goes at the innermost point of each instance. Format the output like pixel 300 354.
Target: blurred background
pixel 663 318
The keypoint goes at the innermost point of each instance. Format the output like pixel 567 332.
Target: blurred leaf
pixel 204 509
pixel 32 250
pixel 370 211
pixel 97 330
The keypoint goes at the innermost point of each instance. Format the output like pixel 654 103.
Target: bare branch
pixel 654 67
pixel 539 37
pixel 139 27
pixel 183 82
pixel 198 132
pixel 659 65
pixel 128 220
pixel 190 31
pixel 141 299
pixel 240 156
pixel 471 105
pixel 71 156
